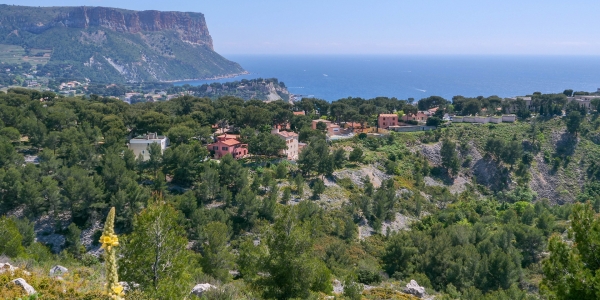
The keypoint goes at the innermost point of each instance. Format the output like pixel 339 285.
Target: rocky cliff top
pixel 191 26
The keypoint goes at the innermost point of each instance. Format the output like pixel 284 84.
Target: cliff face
pixel 113 45
pixel 190 26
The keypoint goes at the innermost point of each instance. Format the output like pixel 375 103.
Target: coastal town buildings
pixel 228 143
pixel 420 116
pixel 291 141
pixel 140 145
pixel 332 128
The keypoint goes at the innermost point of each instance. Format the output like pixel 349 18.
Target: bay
pixel 332 77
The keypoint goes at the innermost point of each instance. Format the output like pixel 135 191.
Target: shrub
pixel 353 290
pixel 11 241
pixel 39 252
pixel 346 183
pixel 368 276
pixel 356 155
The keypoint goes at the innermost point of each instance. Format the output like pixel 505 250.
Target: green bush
pixel 369 276
pixel 11 241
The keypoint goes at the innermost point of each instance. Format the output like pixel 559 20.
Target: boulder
pixel 201 288
pixel 414 288
pixel 338 287
pixel 22 283
pixel 58 270
pixel 4 267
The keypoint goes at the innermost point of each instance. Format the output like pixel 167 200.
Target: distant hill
pixel 269 89
pixel 111 45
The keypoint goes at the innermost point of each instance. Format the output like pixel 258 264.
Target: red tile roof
pixel 231 142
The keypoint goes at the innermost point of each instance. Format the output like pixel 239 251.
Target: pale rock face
pixel 414 288
pixel 199 289
pixel 22 283
pixel 58 270
pixel 128 286
pixel 6 267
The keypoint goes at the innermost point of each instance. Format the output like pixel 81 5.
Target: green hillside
pixel 495 211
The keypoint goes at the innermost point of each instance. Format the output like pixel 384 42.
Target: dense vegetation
pixel 287 230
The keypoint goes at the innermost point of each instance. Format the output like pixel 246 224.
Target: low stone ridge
pixel 201 288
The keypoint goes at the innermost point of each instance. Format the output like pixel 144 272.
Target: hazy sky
pixel 386 26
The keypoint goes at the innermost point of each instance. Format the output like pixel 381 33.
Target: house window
pixel 215 148
pixel 224 148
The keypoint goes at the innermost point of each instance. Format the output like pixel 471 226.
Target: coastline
pixel 209 78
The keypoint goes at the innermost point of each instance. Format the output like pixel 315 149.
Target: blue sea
pixel 333 77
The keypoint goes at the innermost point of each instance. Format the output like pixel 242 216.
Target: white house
pixel 291 141
pixel 140 144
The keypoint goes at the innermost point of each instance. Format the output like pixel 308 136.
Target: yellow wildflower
pixel 118 289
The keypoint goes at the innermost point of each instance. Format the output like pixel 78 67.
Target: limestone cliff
pixel 157 46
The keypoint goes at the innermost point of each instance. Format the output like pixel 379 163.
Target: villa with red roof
pixel 228 143
pixel 420 117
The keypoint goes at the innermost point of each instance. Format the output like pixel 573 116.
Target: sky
pixel 402 27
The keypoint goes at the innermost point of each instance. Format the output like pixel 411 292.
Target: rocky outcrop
pixel 414 288
pixel 128 286
pixel 190 26
pixel 6 267
pixel 58 270
pixel 201 288
pixel 26 287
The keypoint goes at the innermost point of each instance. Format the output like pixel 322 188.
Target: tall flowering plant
pixel 109 241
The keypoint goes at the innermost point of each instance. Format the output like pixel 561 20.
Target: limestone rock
pixel 201 288
pixel 338 287
pixel 22 283
pixel 58 270
pixel 414 288
pixel 4 267
pixel 128 286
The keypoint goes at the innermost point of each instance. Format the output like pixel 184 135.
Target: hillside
pixel 111 45
pixel 465 211
pixel 269 89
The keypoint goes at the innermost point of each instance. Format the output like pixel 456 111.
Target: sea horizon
pixel 332 77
